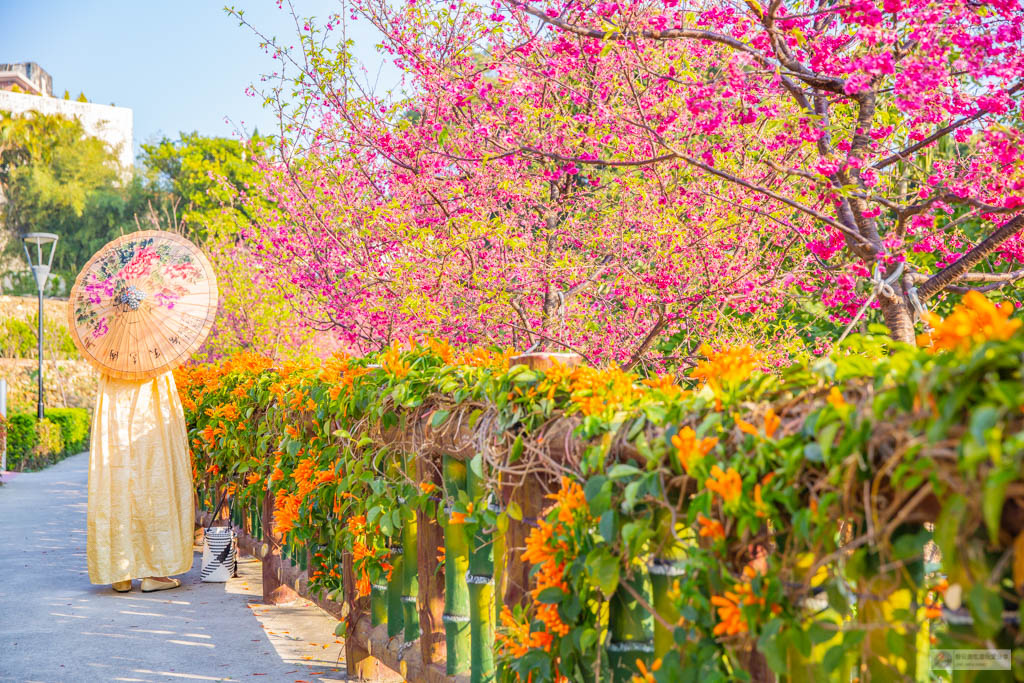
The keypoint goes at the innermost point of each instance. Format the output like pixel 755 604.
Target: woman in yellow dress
pixel 140 516
pixel 138 309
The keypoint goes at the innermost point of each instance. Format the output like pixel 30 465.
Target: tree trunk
pixel 898 318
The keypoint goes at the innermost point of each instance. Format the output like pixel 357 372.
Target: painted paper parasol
pixel 143 304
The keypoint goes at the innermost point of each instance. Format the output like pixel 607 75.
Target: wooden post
pixel 274 592
pixel 432 583
pixel 359 664
pixel 516 574
pixel 410 556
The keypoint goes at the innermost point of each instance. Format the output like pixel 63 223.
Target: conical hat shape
pixel 143 304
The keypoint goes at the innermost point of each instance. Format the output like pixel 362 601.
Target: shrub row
pixel 829 521
pixel 20 339
pixel 33 443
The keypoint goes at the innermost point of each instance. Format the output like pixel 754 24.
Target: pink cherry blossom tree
pixel 599 176
pixel 892 128
pixel 471 208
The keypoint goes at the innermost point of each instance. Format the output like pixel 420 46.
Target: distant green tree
pixel 203 178
pixel 57 178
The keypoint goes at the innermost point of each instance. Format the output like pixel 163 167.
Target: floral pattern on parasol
pixel 143 304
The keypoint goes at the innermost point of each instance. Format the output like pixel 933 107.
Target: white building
pixel 113 125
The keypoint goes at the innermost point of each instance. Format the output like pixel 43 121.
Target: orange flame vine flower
pixel 710 528
pixel 974 321
pixel 689 447
pixel 727 484
pixel 730 365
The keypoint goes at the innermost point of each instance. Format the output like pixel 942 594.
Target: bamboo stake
pixel 395 619
pixel 456 564
pixel 378 604
pixel 410 552
pixel 664 571
pixel 481 591
pixel 629 630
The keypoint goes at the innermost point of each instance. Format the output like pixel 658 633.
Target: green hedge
pixel 74 427
pixel 33 444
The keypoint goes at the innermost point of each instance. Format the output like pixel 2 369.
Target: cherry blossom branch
pixel 956 271
pixel 899 156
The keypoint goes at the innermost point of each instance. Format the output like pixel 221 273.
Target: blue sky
pixel 181 65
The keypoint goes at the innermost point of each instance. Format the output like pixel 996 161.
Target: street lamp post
pixel 41 272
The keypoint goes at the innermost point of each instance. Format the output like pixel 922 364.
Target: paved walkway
pixel 56 627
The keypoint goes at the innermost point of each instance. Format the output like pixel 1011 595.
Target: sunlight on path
pixel 57 627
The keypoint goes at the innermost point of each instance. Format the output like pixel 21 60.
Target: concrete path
pixel 56 627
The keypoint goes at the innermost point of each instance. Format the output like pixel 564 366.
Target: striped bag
pixel 220 558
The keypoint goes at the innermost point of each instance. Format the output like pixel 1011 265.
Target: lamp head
pixel 40 238
pixel 40 268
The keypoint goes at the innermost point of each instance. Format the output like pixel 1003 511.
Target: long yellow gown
pixel 140 514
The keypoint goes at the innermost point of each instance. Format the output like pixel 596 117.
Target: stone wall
pixel 55 311
pixel 66 382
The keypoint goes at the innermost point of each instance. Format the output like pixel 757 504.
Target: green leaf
pixel 603 570
pixel 606 527
pixel 772 647
pixel 551 595
pixel 833 659
pixel 621 470
pixel 514 511
pixel 516 451
pixel 993 498
pixel 438 418
pixel 986 607
pixel 947 526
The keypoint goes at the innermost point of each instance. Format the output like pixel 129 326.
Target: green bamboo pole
pixel 378 604
pixel 395 619
pixel 410 576
pixel 456 564
pixel 481 592
pixel 629 630
pixel 664 570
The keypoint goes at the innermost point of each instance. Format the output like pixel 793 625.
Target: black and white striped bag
pixel 220 559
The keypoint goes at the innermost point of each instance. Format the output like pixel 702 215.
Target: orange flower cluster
pixel 835 398
pixel 646 676
pixel 516 638
pixel 308 477
pixel 210 432
pixel 442 348
pixel 542 549
pixel 357 525
pixel 286 511
pixel 727 484
pixel 731 365
pixel 710 528
pixel 689 447
pixel 933 602
pixel 393 363
pixel 568 499
pixel 480 357
pixel 771 424
pixel 596 391
pixel 666 384
pixel 974 321
pixel 730 605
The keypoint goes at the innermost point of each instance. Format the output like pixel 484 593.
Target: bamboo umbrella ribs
pixel 143 304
